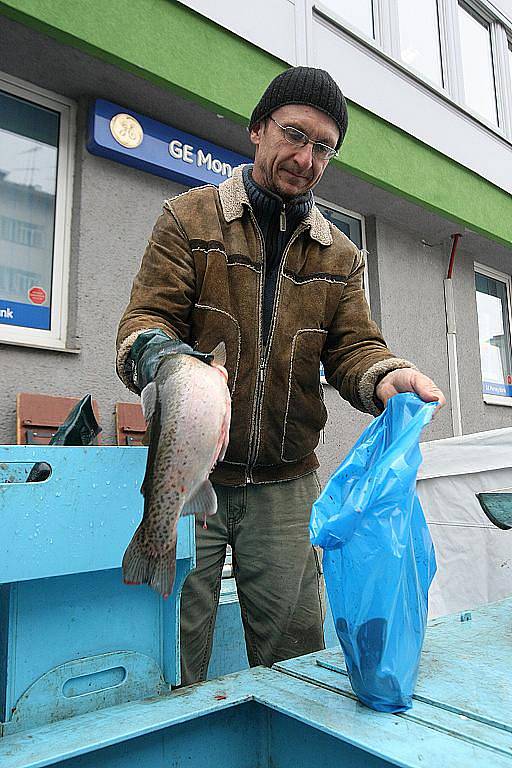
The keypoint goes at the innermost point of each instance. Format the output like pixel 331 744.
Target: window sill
pixel 50 346
pixel 498 400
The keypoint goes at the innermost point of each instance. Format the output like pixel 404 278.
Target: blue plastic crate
pixel 73 637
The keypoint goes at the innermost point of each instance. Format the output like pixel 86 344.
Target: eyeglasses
pixel 299 139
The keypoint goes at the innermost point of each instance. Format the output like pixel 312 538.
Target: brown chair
pixel 39 416
pixel 130 424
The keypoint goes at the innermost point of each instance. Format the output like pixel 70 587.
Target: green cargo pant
pixel 277 572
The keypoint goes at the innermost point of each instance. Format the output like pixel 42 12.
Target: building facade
pixel 428 156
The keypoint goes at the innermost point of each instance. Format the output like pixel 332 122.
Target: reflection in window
pixel 479 88
pixel 28 176
pixel 349 225
pixel 419 37
pixel 492 303
pixel 359 15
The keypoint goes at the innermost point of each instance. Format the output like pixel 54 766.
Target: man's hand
pixel 409 380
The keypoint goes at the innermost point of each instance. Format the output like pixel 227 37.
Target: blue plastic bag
pixel 379 558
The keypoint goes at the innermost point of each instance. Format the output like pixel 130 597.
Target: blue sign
pixel 493 388
pixel 128 137
pixel 26 315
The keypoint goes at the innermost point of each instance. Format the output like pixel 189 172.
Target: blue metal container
pixel 74 638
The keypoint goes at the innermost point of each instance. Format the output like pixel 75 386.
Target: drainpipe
pixel 451 342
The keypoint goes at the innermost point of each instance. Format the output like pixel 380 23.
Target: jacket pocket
pixel 211 325
pixel 305 413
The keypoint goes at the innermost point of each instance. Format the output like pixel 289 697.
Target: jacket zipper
pixel 261 366
pixel 282 218
pixel 264 353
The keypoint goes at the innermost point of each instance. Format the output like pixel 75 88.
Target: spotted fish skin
pixel 188 411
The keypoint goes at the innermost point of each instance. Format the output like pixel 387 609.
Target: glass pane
pixel 494 335
pixel 419 37
pixel 350 226
pixel 479 88
pixel 359 15
pixel 28 177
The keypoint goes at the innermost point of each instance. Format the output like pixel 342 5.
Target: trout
pixel 188 409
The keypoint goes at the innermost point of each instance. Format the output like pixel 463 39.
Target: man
pixel 254 264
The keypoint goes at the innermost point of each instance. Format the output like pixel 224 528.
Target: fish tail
pixel 141 567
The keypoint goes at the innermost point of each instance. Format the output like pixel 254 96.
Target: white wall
pixel 269 24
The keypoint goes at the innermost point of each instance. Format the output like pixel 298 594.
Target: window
pixel 352 225
pixel 349 224
pixel 479 87
pixel 419 37
pixel 493 309
pixel 358 15
pixel 459 49
pixel 35 203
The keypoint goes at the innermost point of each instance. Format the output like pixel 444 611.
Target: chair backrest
pixel 130 424
pixel 39 416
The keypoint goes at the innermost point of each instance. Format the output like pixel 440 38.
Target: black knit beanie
pixel 304 85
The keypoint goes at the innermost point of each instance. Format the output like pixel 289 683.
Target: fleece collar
pixel 233 197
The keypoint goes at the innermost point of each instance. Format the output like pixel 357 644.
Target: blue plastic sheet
pixel 379 558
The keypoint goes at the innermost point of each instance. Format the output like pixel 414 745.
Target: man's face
pixel 283 168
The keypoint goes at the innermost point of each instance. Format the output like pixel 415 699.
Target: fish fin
pixel 148 399
pixel 151 439
pixel 219 354
pixel 203 503
pixel 139 567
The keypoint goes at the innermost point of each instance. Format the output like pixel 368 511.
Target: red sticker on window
pixel 37 295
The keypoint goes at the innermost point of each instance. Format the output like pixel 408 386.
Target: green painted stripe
pixel 176 48
pixel 162 41
pixel 391 158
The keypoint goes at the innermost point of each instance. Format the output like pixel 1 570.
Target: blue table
pixel 303 713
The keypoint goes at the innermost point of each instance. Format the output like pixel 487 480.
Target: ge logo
pixel 126 130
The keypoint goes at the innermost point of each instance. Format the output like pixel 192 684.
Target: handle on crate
pixel 87 684
pixel 24 472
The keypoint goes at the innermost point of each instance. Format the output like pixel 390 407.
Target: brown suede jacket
pixel 201 280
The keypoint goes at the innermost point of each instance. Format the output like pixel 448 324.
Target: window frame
pixel 483 17
pixel 56 337
pixel 361 219
pixel 502 52
pixel 378 22
pixel 442 47
pixel 502 277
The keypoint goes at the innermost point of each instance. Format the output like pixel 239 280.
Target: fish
pixel 188 411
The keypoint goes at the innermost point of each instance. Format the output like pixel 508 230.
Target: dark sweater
pixel 278 220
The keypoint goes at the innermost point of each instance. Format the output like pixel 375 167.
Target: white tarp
pixel 474 557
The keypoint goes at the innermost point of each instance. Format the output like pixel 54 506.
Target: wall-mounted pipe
pixel 455 242
pixel 451 342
